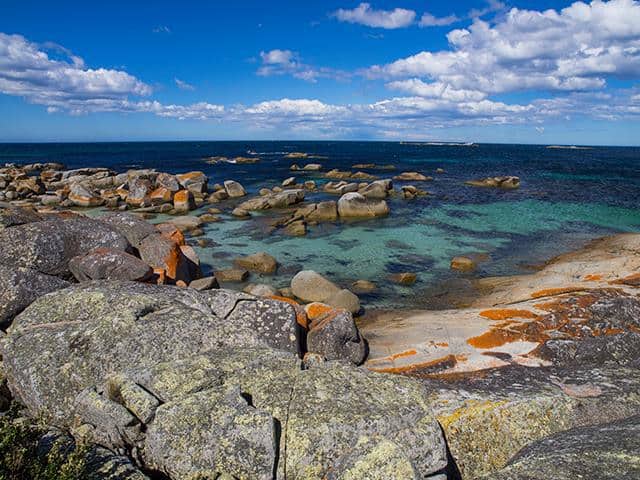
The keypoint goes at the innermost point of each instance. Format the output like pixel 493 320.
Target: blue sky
pixel 484 71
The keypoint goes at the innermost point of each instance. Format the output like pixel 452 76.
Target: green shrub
pixel 19 459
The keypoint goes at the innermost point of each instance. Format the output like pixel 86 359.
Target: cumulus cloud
pixel 363 14
pixel 28 71
pixel 182 85
pixel 295 108
pixel 415 86
pixel 287 62
pixel 573 49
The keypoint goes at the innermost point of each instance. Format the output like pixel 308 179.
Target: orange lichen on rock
pixel 323 320
pixel 161 195
pixel 172 261
pixel 549 292
pixel 394 356
pixel 594 277
pixel 497 337
pixel 171 232
pixel 301 316
pixel 417 368
pixel 315 310
pixel 288 300
pixel 159 276
pixel 507 313
pixel 631 280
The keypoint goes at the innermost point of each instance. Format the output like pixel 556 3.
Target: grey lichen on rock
pixel 211 432
pixel 604 452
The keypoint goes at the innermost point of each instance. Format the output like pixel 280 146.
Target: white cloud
pixel 278 57
pixel 363 14
pixel 162 29
pixel 67 85
pixel 428 20
pixel 287 62
pixel 415 86
pixel 576 48
pixel 182 85
pixel 295 108
pixel 27 71
pixel 493 6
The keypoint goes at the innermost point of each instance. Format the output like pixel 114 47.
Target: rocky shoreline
pixel 142 368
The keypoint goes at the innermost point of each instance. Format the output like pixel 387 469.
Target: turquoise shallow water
pixel 567 198
pixel 512 234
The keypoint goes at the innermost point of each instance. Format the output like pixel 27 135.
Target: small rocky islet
pixel 121 355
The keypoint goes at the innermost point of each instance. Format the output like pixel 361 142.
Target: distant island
pixel 569 147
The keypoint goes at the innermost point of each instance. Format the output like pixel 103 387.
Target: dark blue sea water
pixel 567 198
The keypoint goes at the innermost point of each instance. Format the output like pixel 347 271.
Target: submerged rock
pixel 260 262
pixel 463 264
pixel 363 286
pixel 404 278
pixel 232 275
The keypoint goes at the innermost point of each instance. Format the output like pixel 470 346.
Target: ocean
pixel 567 198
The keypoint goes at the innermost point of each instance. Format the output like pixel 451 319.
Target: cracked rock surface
pixel 199 384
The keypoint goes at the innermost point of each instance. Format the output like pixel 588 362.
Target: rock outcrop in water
pixel 49 184
pixel 505 183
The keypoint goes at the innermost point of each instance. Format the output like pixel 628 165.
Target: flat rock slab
pixel 589 326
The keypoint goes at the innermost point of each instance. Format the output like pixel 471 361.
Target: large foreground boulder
pixel 202 384
pixel 80 334
pixel 132 227
pixel 255 413
pixel 260 262
pixel 602 452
